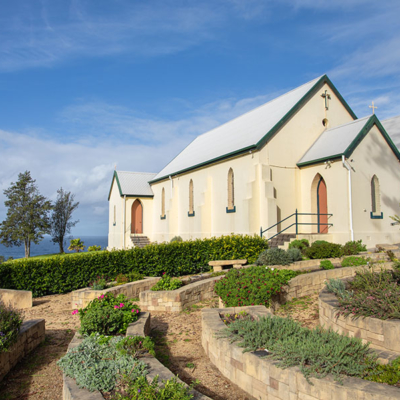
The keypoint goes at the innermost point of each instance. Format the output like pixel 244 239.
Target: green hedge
pixel 63 274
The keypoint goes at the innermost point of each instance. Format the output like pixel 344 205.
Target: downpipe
pixel 347 166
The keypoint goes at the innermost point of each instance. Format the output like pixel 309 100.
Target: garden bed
pixel 141 327
pixel 82 297
pixel 263 379
pixel 31 334
pixel 179 299
pixel 382 334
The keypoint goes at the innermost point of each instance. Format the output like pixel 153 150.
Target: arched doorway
pixel 322 206
pixel 137 217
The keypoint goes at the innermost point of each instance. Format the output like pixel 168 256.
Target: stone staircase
pixel 140 241
pixel 281 239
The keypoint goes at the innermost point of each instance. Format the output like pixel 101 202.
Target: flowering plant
pixel 108 315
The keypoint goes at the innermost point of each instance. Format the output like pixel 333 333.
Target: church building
pixel 304 155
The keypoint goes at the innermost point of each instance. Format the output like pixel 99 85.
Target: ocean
pixel 46 246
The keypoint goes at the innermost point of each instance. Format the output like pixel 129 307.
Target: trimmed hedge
pixel 63 274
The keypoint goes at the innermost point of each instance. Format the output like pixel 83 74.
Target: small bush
pixel 94 248
pixel 130 277
pixel 294 255
pixel 140 389
pixel 108 315
pixel 389 373
pixel 301 244
pixel 326 264
pixel 317 352
pixel 321 249
pixel 353 247
pixel 167 283
pixel 99 283
pixel 372 295
pixel 76 245
pixel 274 256
pixel 176 239
pixel 252 286
pixel 10 322
pixel 338 287
pixel 98 362
pixel 354 261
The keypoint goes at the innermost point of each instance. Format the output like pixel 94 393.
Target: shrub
pixel 99 283
pixel 354 261
pixel 294 255
pixel 166 283
pixel 326 264
pixel 353 247
pixel 176 239
pixel 301 244
pixel 252 286
pixel 338 287
pixel 389 373
pixel 62 274
pixel 76 245
pixel 2 259
pixel 274 256
pixel 321 249
pixel 140 389
pixel 10 322
pixel 317 352
pixel 372 295
pixel 130 277
pixel 94 248
pixel 98 361
pixel 108 315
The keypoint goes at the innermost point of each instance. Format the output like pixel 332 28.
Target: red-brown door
pixel 137 217
pixel 322 199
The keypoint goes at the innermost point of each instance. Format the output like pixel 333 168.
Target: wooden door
pixel 322 201
pixel 137 217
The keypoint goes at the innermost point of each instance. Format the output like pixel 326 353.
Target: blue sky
pixel 85 85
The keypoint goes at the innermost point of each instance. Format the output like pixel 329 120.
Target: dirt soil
pixel 178 344
pixel 37 376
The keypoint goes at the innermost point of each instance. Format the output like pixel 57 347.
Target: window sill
pixel 376 215
pixel 231 210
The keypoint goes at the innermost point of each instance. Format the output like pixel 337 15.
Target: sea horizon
pixel 46 246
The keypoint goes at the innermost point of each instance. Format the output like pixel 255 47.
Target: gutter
pixel 347 166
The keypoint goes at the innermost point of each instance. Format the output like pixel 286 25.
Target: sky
pixel 87 85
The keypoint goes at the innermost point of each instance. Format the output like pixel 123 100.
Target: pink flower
pixel 164 273
pixel 133 310
pixel 137 311
pixel 116 307
pixel 75 312
pixel 102 296
pixel 121 305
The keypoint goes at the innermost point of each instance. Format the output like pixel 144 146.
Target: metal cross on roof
pixel 327 97
pixel 373 108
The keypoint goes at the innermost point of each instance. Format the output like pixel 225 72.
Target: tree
pixel 27 215
pixel 77 245
pixel 61 223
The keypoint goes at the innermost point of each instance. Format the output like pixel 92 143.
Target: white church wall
pixel 372 157
pixel 286 149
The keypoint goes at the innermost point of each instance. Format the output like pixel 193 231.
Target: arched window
pixel 231 192
pixel 162 204
pixel 115 216
pixel 375 198
pixel 191 199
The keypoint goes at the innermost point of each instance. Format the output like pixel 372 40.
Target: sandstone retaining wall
pixel 82 297
pixel 179 299
pixel 263 380
pixel 17 298
pixel 383 335
pixel 31 334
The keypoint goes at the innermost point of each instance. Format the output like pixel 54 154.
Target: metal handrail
pixel 296 223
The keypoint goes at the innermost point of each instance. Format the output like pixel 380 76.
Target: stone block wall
pixel 31 334
pixel 382 334
pixel 179 299
pixel 17 298
pixel 262 379
pixel 82 297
